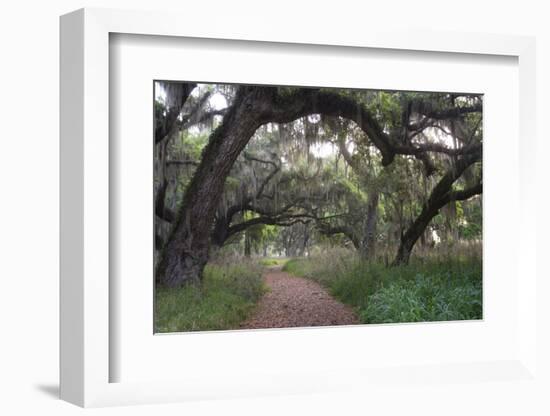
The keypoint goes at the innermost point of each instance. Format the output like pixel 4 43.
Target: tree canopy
pixel 263 170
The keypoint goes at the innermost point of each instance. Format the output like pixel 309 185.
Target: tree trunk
pixel 368 246
pixel 186 253
pixel 441 195
pixel 220 232
pixel 247 245
pixel 414 232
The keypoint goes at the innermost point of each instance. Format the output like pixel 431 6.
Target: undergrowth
pixel 226 297
pixel 424 290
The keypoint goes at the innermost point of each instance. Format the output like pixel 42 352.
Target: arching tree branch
pixel 441 195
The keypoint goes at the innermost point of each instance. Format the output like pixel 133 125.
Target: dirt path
pixel 295 301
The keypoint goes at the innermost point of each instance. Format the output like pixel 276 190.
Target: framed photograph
pixel 286 213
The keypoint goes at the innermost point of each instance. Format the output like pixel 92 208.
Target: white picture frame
pixel 85 302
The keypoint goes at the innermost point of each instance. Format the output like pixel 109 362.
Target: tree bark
pixel 220 233
pixel 186 253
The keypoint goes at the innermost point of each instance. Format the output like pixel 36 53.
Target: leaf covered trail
pixel 297 302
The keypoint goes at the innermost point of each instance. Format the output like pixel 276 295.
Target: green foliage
pixel 425 290
pixel 191 144
pixel 470 230
pixel 389 107
pixel 429 297
pixel 353 188
pixel 227 296
pixel 470 227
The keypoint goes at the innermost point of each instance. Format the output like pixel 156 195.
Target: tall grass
pixel 428 289
pixel 228 294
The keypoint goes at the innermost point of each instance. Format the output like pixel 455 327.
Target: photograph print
pixel 290 206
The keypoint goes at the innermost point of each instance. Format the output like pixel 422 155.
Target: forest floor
pixel 297 302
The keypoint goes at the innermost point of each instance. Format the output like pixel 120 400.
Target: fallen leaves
pixel 297 302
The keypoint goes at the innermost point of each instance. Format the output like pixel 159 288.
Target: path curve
pixel 297 302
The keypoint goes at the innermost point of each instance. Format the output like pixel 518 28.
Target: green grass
pixel 227 296
pixel 273 262
pixel 437 297
pixel 424 290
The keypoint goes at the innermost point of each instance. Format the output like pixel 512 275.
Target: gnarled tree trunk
pixel 441 195
pixel 186 253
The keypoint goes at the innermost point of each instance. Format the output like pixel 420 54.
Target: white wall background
pixel 29 202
